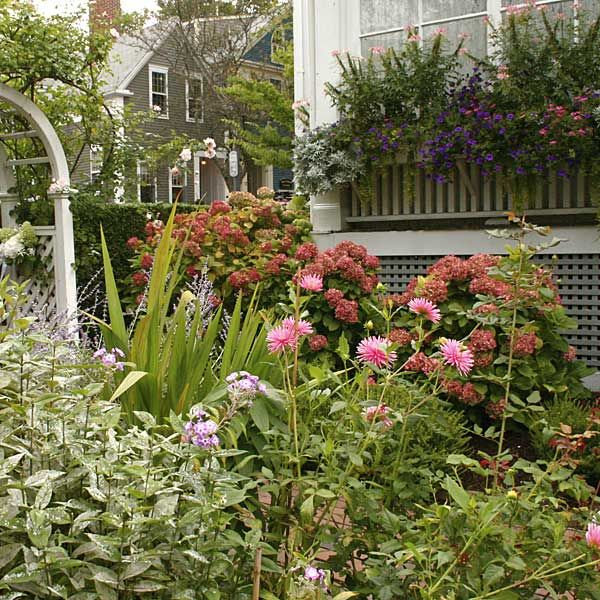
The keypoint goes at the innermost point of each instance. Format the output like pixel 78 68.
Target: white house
pixel 409 236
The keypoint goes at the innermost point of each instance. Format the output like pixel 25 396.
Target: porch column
pixel 337 29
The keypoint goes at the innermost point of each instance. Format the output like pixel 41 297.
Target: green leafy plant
pixel 173 348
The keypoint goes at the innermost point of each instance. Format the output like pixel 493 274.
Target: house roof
pixel 130 54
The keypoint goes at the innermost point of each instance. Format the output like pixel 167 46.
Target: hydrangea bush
pixel 475 298
pixel 232 240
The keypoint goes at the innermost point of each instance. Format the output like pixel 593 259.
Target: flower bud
pixel 512 494
pixel 369 325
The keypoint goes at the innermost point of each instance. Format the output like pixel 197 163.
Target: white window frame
pixel 140 165
pixel 184 186
pixel 165 72
pixel 94 150
pixel 190 118
pixel 494 11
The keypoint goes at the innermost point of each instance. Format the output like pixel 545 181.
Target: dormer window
pixel 159 91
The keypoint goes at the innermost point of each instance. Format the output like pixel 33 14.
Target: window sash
pixel 194 90
pixel 159 90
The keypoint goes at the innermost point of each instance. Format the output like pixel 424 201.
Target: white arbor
pixel 57 243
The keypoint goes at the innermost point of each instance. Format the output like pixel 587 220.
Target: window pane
pixel 444 9
pixel 388 40
pixel 378 15
pixel 472 30
pixel 160 100
pixel 195 107
pixel 159 82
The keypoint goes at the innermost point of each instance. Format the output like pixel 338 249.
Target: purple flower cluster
pixel 315 575
pixel 244 387
pixel 109 359
pixel 201 431
pixel 381 142
pixel 498 140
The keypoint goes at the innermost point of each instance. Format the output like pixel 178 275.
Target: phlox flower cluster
pixel 201 431
pixel 457 355
pixel 110 358
pixel 287 334
pixel 376 351
pixel 243 387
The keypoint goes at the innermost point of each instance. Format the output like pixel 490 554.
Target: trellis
pixel 56 292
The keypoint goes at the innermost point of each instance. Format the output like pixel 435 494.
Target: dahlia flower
pixel 455 354
pixel 311 283
pixel 592 535
pixel 425 308
pixel 375 350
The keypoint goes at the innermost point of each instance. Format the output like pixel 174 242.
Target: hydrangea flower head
pixel 454 353
pixel 312 283
pixel 426 309
pixel 375 350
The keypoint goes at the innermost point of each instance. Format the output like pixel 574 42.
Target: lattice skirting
pixel 578 278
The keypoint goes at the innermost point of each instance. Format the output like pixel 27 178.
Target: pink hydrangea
pixel 457 355
pixel 425 308
pixel 375 350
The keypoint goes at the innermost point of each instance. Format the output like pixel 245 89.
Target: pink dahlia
pixel 592 535
pixel 455 354
pixel 300 327
pixel 376 351
pixel 281 338
pixel 312 283
pixel 425 308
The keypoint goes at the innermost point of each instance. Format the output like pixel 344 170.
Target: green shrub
pixel 90 509
pixel 120 222
pixel 579 417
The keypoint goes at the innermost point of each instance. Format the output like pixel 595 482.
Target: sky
pixel 61 6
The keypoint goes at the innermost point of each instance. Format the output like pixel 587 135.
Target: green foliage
pixel 547 435
pixel 163 345
pixel 36 49
pixel 89 509
pixel 119 221
pixel 266 133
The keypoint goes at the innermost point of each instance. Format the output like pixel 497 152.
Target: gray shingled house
pixel 149 73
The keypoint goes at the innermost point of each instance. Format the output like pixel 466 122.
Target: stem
pixel 513 328
pixel 256 574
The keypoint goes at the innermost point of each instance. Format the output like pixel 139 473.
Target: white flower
pixel 157 109
pixel 185 155
pixel 175 171
pixel 113 32
pixel 58 186
pixel 210 153
pixel 210 143
pixel 12 248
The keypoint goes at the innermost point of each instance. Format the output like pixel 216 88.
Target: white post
pixel 336 29
pixel 64 257
pixel 8 202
